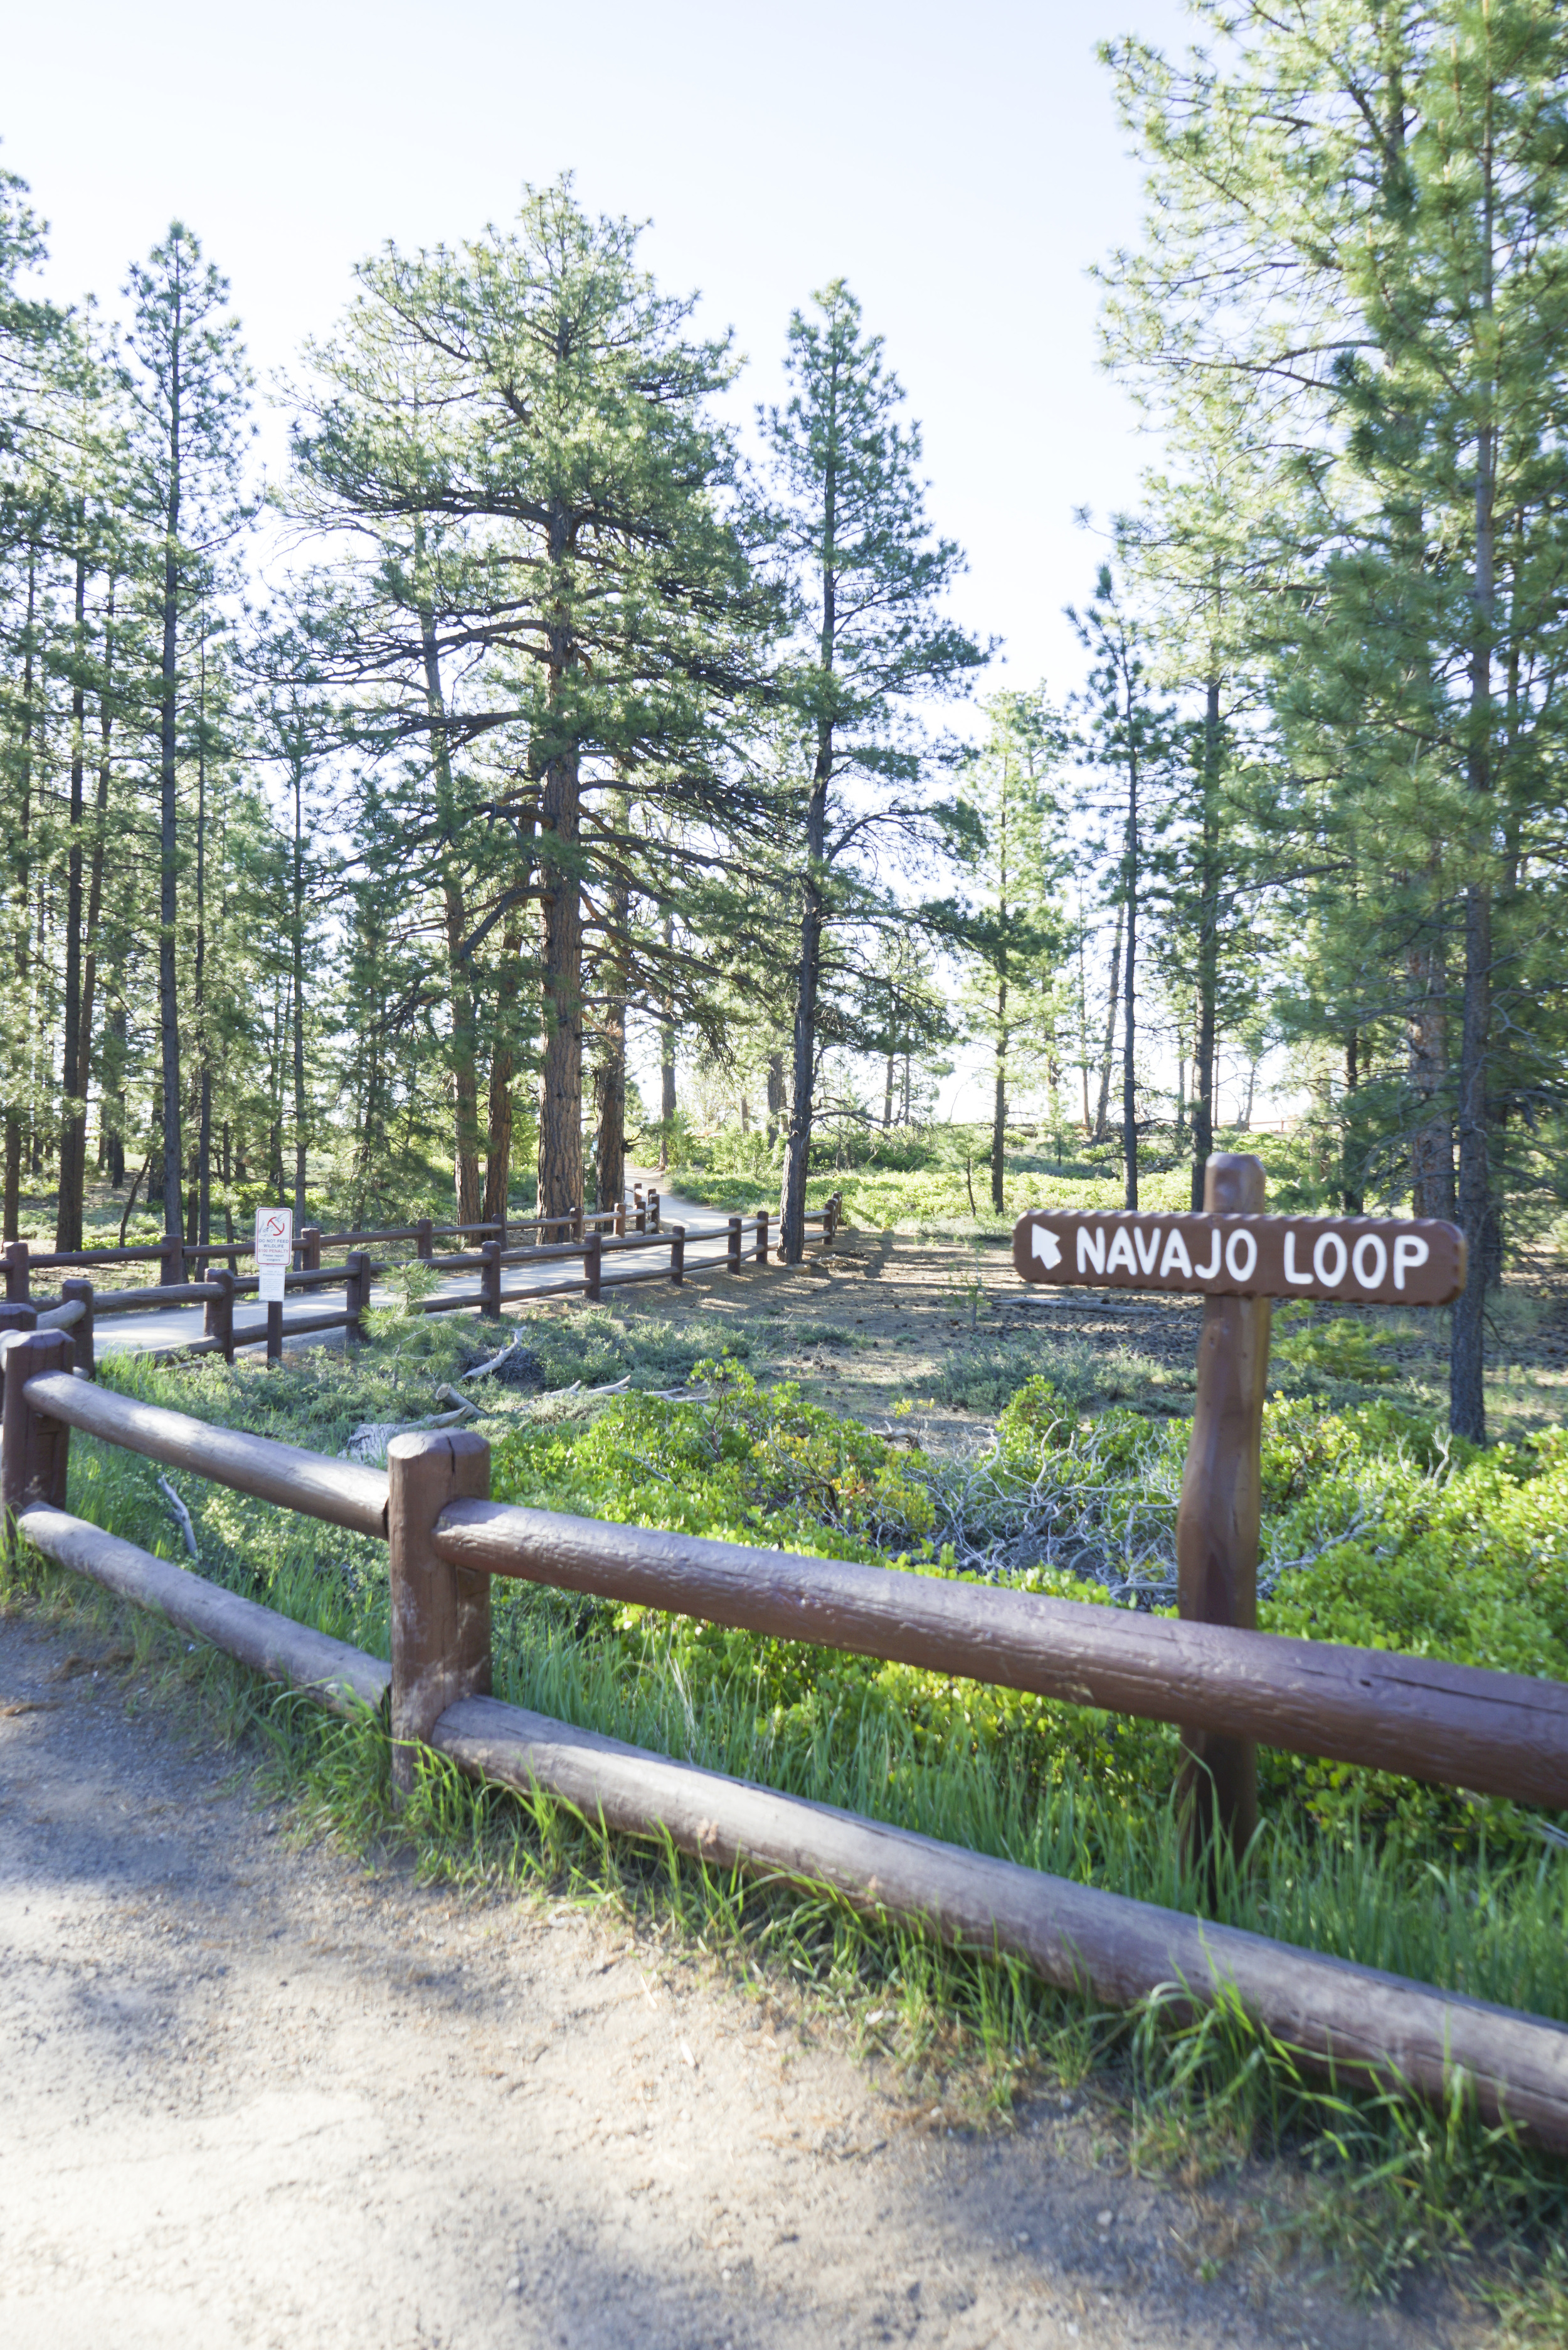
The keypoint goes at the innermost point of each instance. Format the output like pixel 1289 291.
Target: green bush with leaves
pixel 1378 1531
pixel 1410 1543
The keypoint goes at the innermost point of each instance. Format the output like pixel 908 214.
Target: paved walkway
pixel 706 1246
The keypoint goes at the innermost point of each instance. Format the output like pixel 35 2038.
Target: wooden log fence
pixel 1453 1724
pixel 594 1236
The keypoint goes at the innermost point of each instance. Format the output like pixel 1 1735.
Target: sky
pixel 964 169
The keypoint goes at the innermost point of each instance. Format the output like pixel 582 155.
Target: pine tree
pixel 1128 736
pixel 188 383
pixel 520 432
pixel 849 523
pixel 1015 932
pixel 1360 230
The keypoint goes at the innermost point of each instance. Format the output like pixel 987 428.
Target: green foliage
pixel 1344 1349
pixel 1431 1546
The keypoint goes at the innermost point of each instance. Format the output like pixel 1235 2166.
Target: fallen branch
pixel 482 1371
pixel 181 1516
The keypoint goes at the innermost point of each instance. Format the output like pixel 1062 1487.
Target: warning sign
pixel 274 1251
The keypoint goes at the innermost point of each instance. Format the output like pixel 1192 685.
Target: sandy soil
pixel 256 2095
pixel 867 1327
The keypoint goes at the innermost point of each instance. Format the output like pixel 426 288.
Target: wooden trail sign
pixel 1241 1261
pixel 1360 1260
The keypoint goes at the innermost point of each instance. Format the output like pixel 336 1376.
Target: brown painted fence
pixel 446 1541
pixel 627 1229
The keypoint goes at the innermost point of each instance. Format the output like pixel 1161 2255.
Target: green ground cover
pixel 936 1181
pixel 1378 1531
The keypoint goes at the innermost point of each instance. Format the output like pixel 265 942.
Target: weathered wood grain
pixel 1217 1519
pixel 338 1677
pixel 1119 1951
pixel 441 1613
pixel 344 1492
pixel 1499 1734
pixel 1357 1259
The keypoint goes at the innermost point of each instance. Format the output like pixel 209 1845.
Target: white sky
pixel 962 167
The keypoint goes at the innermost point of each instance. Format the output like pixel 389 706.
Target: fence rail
pixel 628 1228
pixel 447 1541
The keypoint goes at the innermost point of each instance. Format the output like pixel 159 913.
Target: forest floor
pixel 927 1338
pixel 258 2087
pixel 259 2093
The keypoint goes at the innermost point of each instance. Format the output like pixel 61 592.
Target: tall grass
pixel 1493 1925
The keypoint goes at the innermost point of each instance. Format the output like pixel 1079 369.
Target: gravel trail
pixel 255 2095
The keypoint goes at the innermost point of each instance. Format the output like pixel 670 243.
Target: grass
pixel 935 1181
pixel 1091 1803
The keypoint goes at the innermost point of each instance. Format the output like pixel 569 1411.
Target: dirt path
pixel 255 2095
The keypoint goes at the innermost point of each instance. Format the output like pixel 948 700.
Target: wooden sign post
pixel 1241 1260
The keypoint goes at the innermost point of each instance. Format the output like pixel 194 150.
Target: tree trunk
pixel 73 1122
pixel 1000 1032
pixel 667 1062
pixel 1129 1077
pixel 561 1074
pixel 776 1093
pixel 1467 1358
pixel 202 1216
pixel 1204 1044
pixel 610 1152
pixel 22 871
pixel 999 1105
pixel 463 1054
pixel 887 1098
pixel 1084 1020
pixel 609 1090
pixel 168 837
pixel 301 1129
pixel 1104 1100
pixel 1426 1026
pixel 95 915
pixel 808 973
pixel 112 1097
pixel 503 1069
pixel 1350 1194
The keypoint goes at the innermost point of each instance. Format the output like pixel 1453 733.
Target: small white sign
pixel 274 1251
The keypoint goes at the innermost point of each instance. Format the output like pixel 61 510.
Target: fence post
pixel 16 1291
pixel 422 1242
pixel 13 1318
pixel 640 1205
pixel 274 1330
pixel 358 1297
pixel 678 1253
pixel 34 1449
pixel 440 1614
pixel 734 1256
pixel 1217 1518
pixel 489 1280
pixel 653 1209
pixel 830 1222
pixel 81 1293
pixel 172 1268
pixel 218 1322
pixel 593 1264
pixel 620 1219
pixel 762 1236
pixel 311 1249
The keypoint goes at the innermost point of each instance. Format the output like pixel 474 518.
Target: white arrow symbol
pixel 1047 1247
